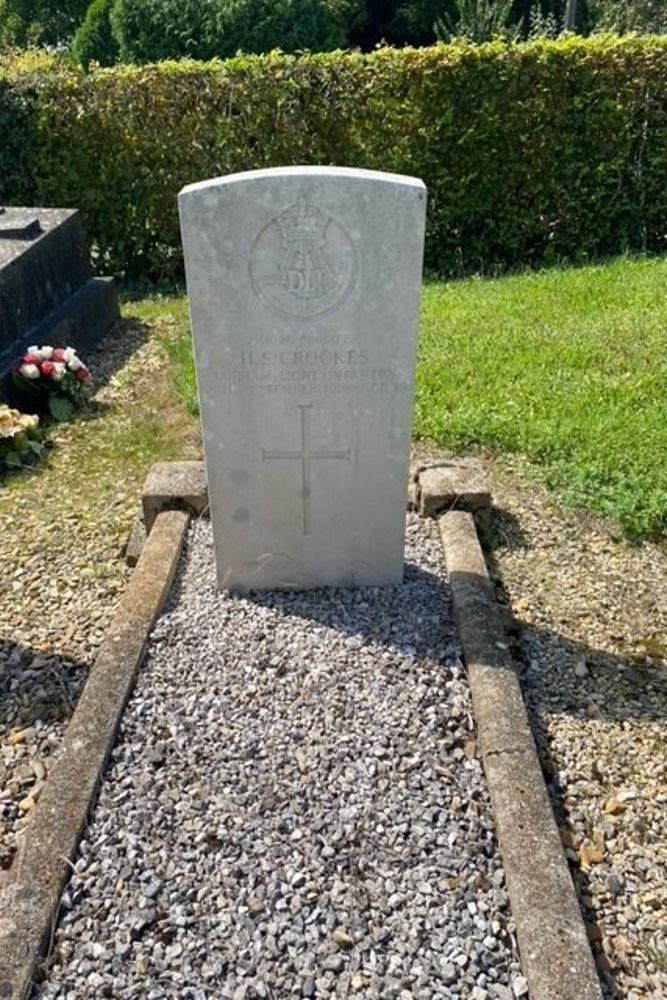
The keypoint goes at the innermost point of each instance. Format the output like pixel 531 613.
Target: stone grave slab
pixel 18 225
pixel 48 294
pixel 304 287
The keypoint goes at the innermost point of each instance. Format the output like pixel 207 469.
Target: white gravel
pixel 293 807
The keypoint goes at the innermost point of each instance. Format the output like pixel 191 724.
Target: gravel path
pixel 294 807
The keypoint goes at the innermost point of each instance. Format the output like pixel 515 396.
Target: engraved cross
pixel 305 456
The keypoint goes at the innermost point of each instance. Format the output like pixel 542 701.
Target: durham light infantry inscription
pixel 296 371
pixel 304 292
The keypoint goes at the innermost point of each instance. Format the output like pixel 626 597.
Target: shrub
pixel 478 21
pixel 152 30
pixel 16 134
pixel 258 26
pixel 95 41
pixel 39 22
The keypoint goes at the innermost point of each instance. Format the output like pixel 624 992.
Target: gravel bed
pixel 294 807
pixel 589 615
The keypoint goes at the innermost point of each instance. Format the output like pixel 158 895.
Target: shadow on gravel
pixel 115 350
pixel 560 676
pixel 38 693
pixel 36 686
pixel 584 675
pixel 506 532
pixel 407 617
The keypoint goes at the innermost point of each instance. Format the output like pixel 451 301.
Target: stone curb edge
pixel 556 957
pixel 30 897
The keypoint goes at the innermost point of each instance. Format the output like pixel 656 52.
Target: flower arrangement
pixel 19 437
pixel 54 376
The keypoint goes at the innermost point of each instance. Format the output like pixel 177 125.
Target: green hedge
pixel 532 153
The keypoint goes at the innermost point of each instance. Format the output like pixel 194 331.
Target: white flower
pixel 69 354
pixel 74 363
pixel 35 352
pixel 29 371
pixel 59 369
pixel 47 353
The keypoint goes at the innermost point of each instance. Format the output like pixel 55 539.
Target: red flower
pixel 47 368
pixel 30 359
pixel 82 374
pixel 58 354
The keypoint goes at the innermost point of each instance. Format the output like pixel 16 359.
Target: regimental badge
pixel 303 264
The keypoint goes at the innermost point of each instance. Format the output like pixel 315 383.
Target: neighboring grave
pixel 304 290
pixel 47 292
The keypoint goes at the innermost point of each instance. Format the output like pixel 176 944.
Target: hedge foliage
pixel 532 153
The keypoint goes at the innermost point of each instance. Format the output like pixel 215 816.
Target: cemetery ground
pixel 586 607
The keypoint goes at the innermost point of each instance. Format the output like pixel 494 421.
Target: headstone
pixel 48 294
pixel 304 290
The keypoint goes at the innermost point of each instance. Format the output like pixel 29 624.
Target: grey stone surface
pixel 47 292
pixel 174 486
pixel 458 484
pixel 135 541
pixel 304 290
pixel 19 224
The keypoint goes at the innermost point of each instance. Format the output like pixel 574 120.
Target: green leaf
pixel 27 386
pixel 60 408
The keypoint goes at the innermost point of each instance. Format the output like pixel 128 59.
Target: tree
pixel 151 30
pixel 40 22
pixel 643 16
pixel 414 21
pixel 94 40
pixel 479 21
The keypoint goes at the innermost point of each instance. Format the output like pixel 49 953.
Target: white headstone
pixel 304 297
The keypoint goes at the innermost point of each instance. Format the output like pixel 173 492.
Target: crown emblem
pixel 303 264
pixel 302 222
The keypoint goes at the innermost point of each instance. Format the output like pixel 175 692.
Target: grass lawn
pixel 565 368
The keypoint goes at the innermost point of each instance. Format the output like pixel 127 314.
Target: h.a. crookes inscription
pixel 304 291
